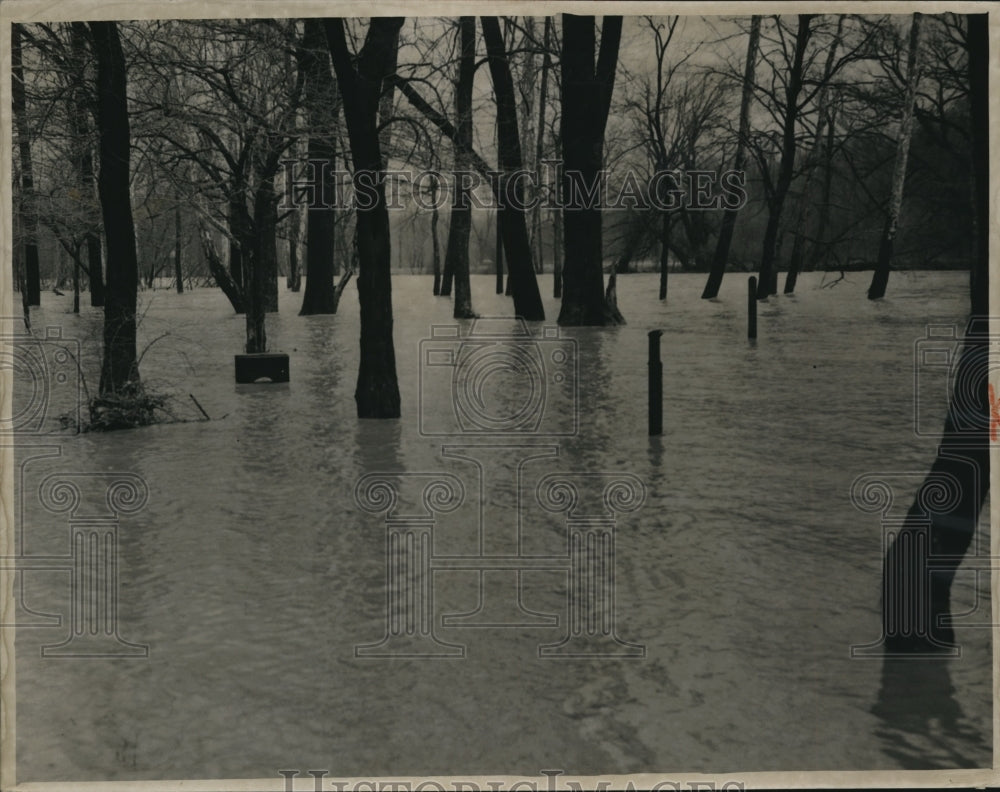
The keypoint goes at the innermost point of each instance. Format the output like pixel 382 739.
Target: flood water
pixel 251 574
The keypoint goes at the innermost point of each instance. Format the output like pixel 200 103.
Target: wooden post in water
pixel 752 308
pixel 655 384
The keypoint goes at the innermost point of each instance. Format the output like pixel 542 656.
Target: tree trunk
pixel 820 250
pixel 239 225
pixel 29 220
pixel 321 102
pixel 119 368
pixel 540 144
pixel 498 251
pixel 266 254
pixel 805 205
pixel 435 246
pixel 511 216
pixel 294 273
pixel 377 391
pixel 557 259
pixel 95 270
pixel 456 260
pixel 880 278
pixel 766 280
pixel 83 112
pixel 178 244
pixel 739 165
pixel 76 283
pixel 586 101
pixel 963 456
pixel 664 253
pixel 260 268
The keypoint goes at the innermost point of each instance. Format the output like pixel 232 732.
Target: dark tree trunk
pixel 498 251
pixel 914 598
pixel 880 278
pixel 95 270
pixel 540 144
pixel 239 232
pixel 511 218
pixel 725 240
pixel 586 101
pixel 766 283
pixel 259 268
pixel 377 391
pixel 82 111
pixel 29 220
pixel 664 253
pixel 76 282
pixel 294 273
pixel 806 204
pixel 435 245
pixel 178 246
pixel 557 259
pixel 456 259
pixel 119 369
pixel 321 106
pixel 266 255
pixel 820 250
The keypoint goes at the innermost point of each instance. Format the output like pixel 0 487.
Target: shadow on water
pixel 922 725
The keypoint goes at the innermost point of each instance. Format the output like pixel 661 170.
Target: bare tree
pixel 456 263
pixel 321 101
pixel 805 204
pixel 586 89
pixel 786 167
pixel 29 222
pixel 119 367
pixel 725 238
pixel 360 81
pixel 511 219
pixel 880 278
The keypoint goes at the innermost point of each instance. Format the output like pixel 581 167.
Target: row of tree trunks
pixel 766 282
pixel 880 278
pixel 29 219
pixel 119 368
pixel 360 80
pixel 586 101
